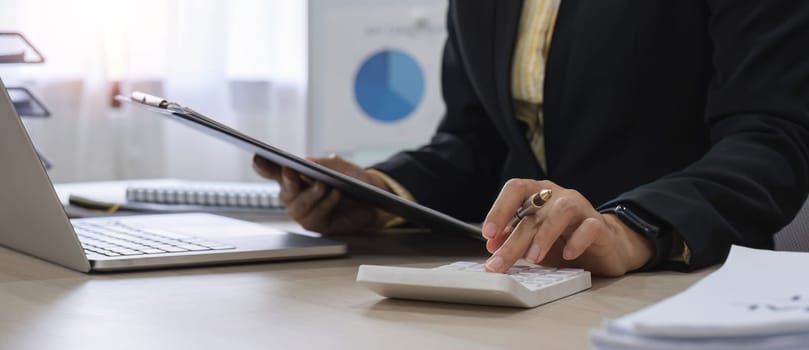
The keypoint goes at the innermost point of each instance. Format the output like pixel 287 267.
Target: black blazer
pixel 694 110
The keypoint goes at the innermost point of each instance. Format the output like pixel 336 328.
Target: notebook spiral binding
pixel 219 195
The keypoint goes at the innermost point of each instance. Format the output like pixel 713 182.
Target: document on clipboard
pixel 349 186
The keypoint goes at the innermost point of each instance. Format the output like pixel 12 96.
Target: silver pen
pixel 530 206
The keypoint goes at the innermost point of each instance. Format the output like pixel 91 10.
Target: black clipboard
pixel 349 186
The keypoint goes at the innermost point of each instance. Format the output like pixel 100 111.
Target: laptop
pixel 33 221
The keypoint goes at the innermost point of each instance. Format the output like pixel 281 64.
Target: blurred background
pixel 354 77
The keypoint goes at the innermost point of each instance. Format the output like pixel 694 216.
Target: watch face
pixel 632 219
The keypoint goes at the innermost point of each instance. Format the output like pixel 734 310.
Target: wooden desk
pixel 306 304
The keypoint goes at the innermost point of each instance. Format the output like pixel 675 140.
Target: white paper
pixel 755 293
pixel 605 340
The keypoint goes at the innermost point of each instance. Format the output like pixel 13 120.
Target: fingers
pixel 290 186
pixel 265 168
pixel 335 163
pixel 535 235
pixel 318 216
pixel 567 217
pixel 315 205
pixel 513 248
pixel 504 207
pixel 302 204
pixel 273 171
pixel 508 201
pixel 301 201
pixel 495 243
pixel 583 237
pixel 559 217
pixel 338 164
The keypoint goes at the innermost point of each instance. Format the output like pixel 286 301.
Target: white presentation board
pixel 374 75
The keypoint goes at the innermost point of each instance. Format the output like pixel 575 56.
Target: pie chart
pixel 389 86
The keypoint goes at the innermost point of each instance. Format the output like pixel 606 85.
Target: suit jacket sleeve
pixel 457 172
pixel 755 176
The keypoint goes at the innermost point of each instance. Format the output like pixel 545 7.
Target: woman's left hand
pixel 566 232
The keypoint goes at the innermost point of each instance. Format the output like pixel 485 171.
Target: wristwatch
pixel 646 225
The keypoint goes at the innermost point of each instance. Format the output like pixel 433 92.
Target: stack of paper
pixel 759 299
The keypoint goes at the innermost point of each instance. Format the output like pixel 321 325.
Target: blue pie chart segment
pixel 389 86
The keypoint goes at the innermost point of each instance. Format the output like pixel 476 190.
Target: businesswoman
pixel 665 130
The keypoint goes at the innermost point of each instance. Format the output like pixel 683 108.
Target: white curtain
pixel 242 61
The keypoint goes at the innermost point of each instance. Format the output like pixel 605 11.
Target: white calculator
pixel 467 282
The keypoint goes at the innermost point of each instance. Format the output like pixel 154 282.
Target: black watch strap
pixel 647 225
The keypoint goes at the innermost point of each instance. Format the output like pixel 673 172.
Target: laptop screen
pixel 32 219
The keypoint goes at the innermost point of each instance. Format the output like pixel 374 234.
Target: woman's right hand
pixel 319 207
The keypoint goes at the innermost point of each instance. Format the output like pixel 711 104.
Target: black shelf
pixel 15 48
pixel 26 103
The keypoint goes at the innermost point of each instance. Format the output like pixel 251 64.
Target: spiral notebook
pixel 256 195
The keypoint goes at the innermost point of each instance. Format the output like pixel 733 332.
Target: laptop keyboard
pixel 115 239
